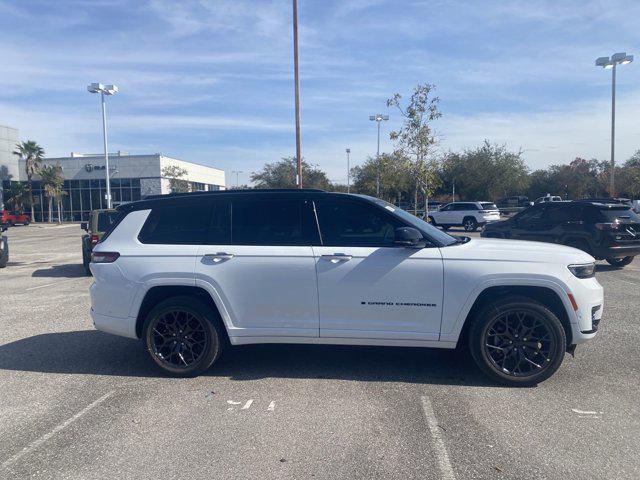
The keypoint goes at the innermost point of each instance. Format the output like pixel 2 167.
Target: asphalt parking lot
pixel 76 403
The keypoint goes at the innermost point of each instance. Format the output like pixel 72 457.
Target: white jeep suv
pixel 189 274
pixel 469 215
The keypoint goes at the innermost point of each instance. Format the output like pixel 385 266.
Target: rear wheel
pixel 470 224
pixel 619 262
pixel 183 336
pixel 86 256
pixel 517 341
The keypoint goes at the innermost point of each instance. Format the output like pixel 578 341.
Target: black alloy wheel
pixel 619 262
pixel 518 341
pixel 181 336
pixel 470 224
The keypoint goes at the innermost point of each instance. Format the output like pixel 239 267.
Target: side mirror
pixel 408 237
pixel 84 226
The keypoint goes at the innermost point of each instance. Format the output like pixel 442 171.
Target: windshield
pixel 436 234
pixel 488 206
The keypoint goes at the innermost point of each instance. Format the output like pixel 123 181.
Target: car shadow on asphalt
pixel 61 271
pixel 89 352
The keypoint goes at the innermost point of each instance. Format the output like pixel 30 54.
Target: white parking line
pixel 50 284
pixel 35 444
pixel 442 456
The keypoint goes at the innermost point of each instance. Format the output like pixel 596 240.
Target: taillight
pixel 104 257
pixel 608 226
pixel 95 239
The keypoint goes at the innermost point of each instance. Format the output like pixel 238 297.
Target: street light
pixel 104 90
pixel 237 172
pixel 378 118
pixel 348 171
pixel 610 63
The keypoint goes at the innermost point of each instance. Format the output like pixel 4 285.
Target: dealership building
pixel 132 177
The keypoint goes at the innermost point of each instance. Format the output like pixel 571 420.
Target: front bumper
pixel 589 297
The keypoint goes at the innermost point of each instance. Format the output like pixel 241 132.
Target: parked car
pixel 13 218
pixel 608 232
pixel 99 222
pixel 635 204
pixel 190 273
pixel 4 248
pixel 469 215
pixel 515 204
pixel 548 198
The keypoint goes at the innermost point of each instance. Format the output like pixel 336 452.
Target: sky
pixel 210 81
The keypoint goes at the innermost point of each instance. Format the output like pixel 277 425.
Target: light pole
pixel 296 77
pixel 104 90
pixel 378 118
pixel 611 63
pixel 237 172
pixel 348 171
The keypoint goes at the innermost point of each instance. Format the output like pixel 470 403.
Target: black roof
pixel 154 200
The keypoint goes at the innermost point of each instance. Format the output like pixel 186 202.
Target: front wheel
pixel 182 336
pixel 470 224
pixel 619 262
pixel 517 341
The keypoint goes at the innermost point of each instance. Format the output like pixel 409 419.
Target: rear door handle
pixel 337 257
pixel 219 257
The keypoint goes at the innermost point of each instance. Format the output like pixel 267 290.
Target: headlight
pixel 587 270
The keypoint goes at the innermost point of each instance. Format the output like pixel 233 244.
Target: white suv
pixel 189 274
pixel 469 215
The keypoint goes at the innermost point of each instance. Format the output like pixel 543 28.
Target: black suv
pixel 606 231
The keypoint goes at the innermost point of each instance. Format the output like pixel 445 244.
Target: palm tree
pixel 32 154
pixel 18 196
pixel 52 180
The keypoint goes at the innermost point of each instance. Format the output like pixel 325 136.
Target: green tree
pixel 176 175
pixel 487 172
pixel 396 179
pixel 628 177
pixel 18 196
pixel 52 180
pixel 415 138
pixel 282 174
pixel 32 154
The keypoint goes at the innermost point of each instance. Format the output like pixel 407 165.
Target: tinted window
pixel 488 206
pixel 353 224
pixel 464 207
pixel 271 222
pixel 105 219
pixel 447 208
pixel 625 215
pixel 557 215
pixel 531 213
pixel 185 224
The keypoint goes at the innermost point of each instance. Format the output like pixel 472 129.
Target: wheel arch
pixel 161 292
pixel 543 294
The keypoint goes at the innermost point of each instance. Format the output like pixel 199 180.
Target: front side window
pixel 353 224
pixel 184 224
pixel 271 222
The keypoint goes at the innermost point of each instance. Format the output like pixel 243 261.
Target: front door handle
pixel 219 257
pixel 337 257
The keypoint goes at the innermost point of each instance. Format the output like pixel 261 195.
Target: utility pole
pixel 348 171
pixel 237 172
pixel 297 90
pixel 378 118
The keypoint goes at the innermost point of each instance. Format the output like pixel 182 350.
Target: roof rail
pixel 242 191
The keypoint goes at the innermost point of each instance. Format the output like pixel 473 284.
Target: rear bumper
pixel 618 251
pixel 123 327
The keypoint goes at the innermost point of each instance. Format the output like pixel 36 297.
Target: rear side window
pixel 488 206
pixel 560 214
pixel 355 225
pixel 186 224
pixel 272 222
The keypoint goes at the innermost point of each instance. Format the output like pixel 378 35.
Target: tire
pixel 619 262
pixel 4 257
pixel 445 227
pixel 26 223
pixel 86 256
pixel 470 224
pixel 523 316
pixel 166 323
